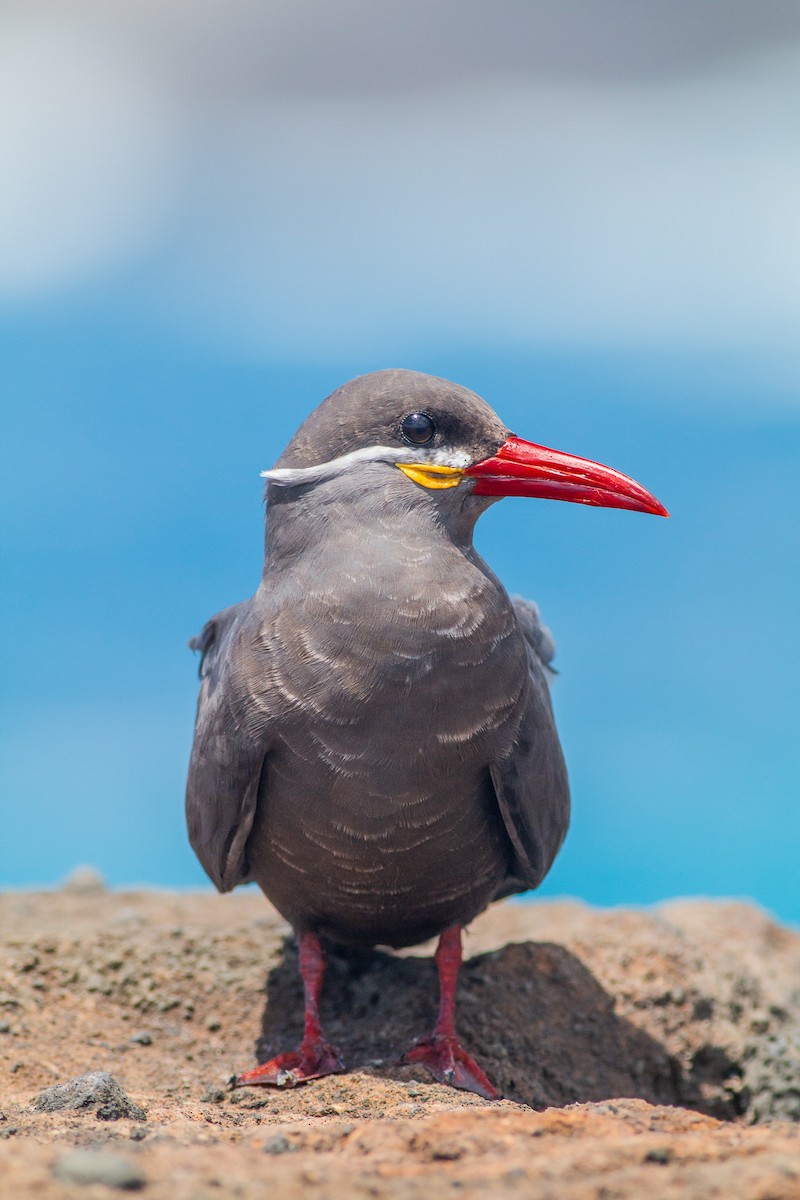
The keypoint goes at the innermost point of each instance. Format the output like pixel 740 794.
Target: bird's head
pixel 446 439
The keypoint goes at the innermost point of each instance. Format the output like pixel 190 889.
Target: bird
pixel 375 744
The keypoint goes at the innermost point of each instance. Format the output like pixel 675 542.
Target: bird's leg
pixel 442 1052
pixel 314 1056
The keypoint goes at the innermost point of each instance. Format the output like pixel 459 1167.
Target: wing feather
pixel 227 759
pixel 531 782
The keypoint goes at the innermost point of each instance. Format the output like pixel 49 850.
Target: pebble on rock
pixel 659 1154
pixel 84 880
pixel 277 1144
pixel 85 1167
pixel 97 1090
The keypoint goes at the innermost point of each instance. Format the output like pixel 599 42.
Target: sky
pixel 585 210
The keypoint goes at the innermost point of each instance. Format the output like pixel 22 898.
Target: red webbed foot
pixel 311 1060
pixel 442 1052
pixel 448 1061
pixel 314 1057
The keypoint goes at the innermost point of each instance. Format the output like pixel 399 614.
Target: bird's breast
pixel 377 812
pixel 413 667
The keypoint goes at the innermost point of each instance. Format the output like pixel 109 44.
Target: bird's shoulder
pixel 210 642
pixel 234 647
pixel 538 638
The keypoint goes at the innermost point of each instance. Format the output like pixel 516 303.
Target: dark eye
pixel 418 428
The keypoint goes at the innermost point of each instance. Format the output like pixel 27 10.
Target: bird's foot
pixel 448 1061
pixel 311 1060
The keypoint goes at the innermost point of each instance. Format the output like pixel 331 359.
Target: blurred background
pixel 212 214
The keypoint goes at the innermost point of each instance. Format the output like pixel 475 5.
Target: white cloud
pixel 662 214
pixel 513 209
pixel 90 155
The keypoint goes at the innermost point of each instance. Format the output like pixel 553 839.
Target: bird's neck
pixel 306 526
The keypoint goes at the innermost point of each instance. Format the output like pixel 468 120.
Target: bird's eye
pixel 418 428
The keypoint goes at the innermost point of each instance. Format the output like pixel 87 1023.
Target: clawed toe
pixel 448 1061
pixel 311 1060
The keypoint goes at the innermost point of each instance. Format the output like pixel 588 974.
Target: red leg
pixel 442 1052
pixel 314 1056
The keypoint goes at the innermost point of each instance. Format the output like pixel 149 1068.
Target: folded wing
pixel 229 752
pixel 531 782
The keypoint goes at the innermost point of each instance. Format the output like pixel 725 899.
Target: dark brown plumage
pixel 375 744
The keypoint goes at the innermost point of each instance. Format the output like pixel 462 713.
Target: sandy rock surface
pixel 640 1053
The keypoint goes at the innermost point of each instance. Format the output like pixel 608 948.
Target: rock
pixel 447 1150
pixel 772 1078
pixel 142 1038
pixel 85 880
pixel 565 1006
pixel 97 1090
pixel 85 1167
pixel 8 1131
pixel 277 1144
pixel 660 1154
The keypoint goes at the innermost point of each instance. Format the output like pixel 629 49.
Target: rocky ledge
pixel 654 1050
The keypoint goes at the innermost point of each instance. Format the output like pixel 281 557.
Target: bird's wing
pixel 531 782
pixel 229 751
pixel 537 636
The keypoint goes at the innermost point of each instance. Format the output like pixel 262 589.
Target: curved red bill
pixel 521 468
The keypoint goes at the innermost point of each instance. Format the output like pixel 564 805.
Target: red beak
pixel 524 469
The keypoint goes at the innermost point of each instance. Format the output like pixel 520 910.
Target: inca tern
pixel 375 744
